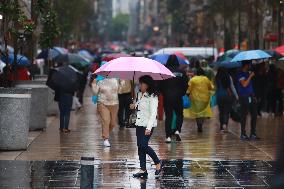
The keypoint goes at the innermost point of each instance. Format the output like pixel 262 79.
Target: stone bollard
pixel 15 105
pixel 39 103
pixel 87 172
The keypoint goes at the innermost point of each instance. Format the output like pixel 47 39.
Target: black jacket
pixel 175 87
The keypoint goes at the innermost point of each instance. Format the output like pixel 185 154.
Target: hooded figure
pixel 173 90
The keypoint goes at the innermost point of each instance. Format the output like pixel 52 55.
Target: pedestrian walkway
pixel 85 140
pixel 200 160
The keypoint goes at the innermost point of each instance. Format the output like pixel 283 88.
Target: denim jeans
pixel 65 106
pixel 144 148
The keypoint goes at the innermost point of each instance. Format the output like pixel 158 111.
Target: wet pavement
pixel 208 160
pixel 118 174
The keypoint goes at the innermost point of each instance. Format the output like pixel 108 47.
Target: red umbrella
pixel 110 57
pixel 280 49
pixel 181 55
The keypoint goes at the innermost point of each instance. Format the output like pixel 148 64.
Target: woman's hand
pixel 132 106
pixel 147 132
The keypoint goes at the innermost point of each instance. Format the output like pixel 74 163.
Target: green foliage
pixel 20 23
pixel 50 29
pixel 71 15
pixel 119 27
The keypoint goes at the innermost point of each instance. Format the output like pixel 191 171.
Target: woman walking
pixel 200 88
pixel 107 91
pixel 225 93
pixel 146 106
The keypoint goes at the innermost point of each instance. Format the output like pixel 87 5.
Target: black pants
pixel 144 148
pixel 261 99
pixel 224 106
pixel 172 105
pixel 271 101
pixel 65 106
pixel 248 106
pixel 124 108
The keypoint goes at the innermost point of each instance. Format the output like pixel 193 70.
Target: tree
pixel 15 27
pixel 119 27
pixel 72 15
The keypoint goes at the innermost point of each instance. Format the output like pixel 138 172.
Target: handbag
pixel 131 123
pixel 186 102
pixel 213 100
pixel 132 119
pixel 95 99
pixel 235 112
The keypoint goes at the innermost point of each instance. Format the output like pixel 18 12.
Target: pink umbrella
pixel 132 68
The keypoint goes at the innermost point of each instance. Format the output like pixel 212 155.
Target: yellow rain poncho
pixel 200 90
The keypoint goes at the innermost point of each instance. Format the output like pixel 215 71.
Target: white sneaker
pixel 168 140
pixel 106 143
pixel 177 132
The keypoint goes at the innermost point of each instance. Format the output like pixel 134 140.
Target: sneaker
pixel 244 137
pixel 106 143
pixel 254 137
pixel 177 136
pixel 168 140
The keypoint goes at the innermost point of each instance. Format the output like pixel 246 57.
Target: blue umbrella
pixel 250 55
pixel 163 58
pixel 86 54
pixel 21 60
pixel 51 53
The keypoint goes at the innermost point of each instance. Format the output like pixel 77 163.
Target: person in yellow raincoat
pixel 200 90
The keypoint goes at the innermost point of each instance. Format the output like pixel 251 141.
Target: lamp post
pixel 280 15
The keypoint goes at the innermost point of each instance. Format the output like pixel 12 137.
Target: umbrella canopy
pixel 110 57
pixel 2 66
pixel 21 60
pixel 228 55
pixel 63 78
pixel 133 68
pixel 227 64
pixel 86 54
pixel 73 59
pixel 276 55
pixel 51 53
pixel 163 58
pixel 10 49
pixel 181 55
pixel 280 49
pixel 250 55
pixel 226 58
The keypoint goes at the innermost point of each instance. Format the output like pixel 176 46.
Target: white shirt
pixel 147 106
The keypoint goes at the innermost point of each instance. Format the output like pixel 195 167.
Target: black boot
pixel 141 175
pixel 199 128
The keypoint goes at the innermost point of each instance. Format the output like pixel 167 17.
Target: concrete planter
pixel 40 78
pixel 15 107
pixel 39 103
pixel 52 108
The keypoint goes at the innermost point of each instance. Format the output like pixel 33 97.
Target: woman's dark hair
pixel 200 72
pixel 223 78
pixel 148 80
pixel 172 62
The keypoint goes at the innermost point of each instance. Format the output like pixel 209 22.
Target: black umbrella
pixel 63 78
pixel 276 55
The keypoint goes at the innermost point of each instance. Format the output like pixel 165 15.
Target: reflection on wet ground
pixel 118 174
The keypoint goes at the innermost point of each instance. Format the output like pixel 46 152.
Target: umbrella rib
pixel 108 74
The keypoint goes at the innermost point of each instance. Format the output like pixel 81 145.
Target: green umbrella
pixel 73 59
